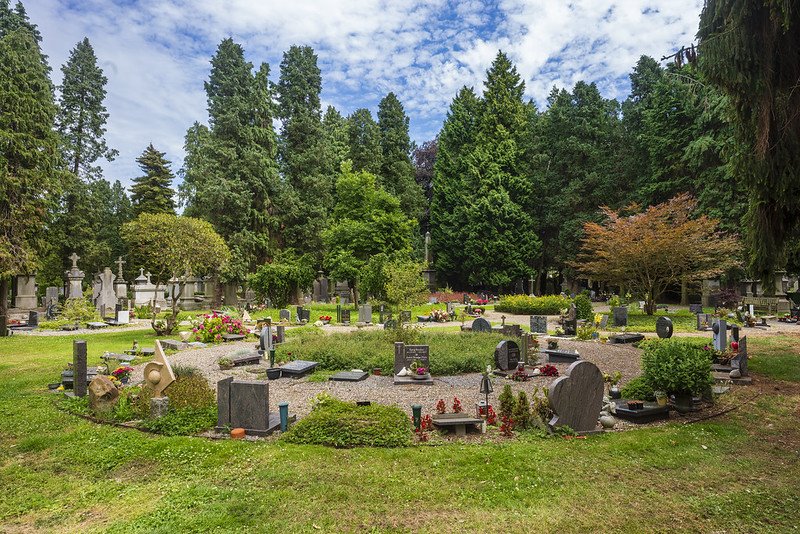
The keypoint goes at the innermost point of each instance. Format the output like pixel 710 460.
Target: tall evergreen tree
pixel 230 174
pixel 304 157
pixel 751 50
pixel 152 192
pixel 337 141
pixel 82 115
pixel 397 170
pixel 365 142
pixel 28 158
pixel 424 161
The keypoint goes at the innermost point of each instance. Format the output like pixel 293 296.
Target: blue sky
pixel 156 53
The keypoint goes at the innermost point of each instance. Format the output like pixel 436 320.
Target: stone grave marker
pixel 280 332
pixel 507 355
pixel 739 362
pixel 571 321
pixel 245 404
pixel 79 379
pixel 365 313
pixel 306 315
pixel 626 337
pixel 695 308
pixel 404 356
pixel 349 376
pixel 107 296
pixel 539 324
pixel 720 336
pixel 603 321
pixel 405 316
pixel 285 315
pixel 577 397
pixel 33 319
pixel 345 316
pixel 297 368
pixel 704 321
pixel 481 325
pixel 50 296
pixel 664 327
pixel 265 340
pixel 300 314
pixel 650 411
pixel 620 314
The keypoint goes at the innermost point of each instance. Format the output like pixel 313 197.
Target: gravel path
pixel 300 393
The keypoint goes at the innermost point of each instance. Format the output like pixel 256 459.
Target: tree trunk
pixel 684 292
pixel 3 306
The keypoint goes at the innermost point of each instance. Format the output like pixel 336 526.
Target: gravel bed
pixel 300 393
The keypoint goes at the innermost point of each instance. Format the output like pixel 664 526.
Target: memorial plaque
pixel 349 376
pixel 405 355
pixel 506 355
pixel 297 368
pixel 620 314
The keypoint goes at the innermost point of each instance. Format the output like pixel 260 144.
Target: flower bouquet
pixel 123 374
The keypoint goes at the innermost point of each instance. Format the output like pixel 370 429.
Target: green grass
pixel 61 473
pixel 318 309
pixel 776 357
pixel 638 321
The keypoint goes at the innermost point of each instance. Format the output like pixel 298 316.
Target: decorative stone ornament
pixel 158 373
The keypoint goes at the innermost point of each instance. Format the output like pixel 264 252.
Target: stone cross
pixel 427 245
pixel 141 271
pixel 74 259
pixel 120 262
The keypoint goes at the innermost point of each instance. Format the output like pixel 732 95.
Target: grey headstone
pixel 695 308
pixel 349 376
pixel 603 321
pixel 506 355
pixel 720 337
pixel 280 331
pixel 664 327
pixel 620 314
pixel 404 355
pixel 704 321
pixel 285 315
pixel 346 316
pixel 244 404
pixel 481 325
pixel 79 367
pixel 265 339
pixel 297 368
pixel 365 313
pixel 571 321
pixel 300 314
pixel 577 397
pixel 740 360
pixel 539 324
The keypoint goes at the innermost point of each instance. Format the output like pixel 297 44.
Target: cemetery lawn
pixel 638 321
pixel 737 472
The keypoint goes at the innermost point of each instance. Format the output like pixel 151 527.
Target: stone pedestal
pixel 158 407
pixel 26 293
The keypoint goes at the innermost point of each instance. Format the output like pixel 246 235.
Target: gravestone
pixel 349 376
pixel 365 313
pixel 695 308
pixel 620 314
pixel 79 379
pixel 306 316
pixel 26 292
pixel 704 321
pixel 265 340
pixel 404 356
pixel 561 356
pixel 571 321
pixel 345 316
pixel 33 319
pixel 245 404
pixel 451 307
pixel 75 277
pixel 106 300
pixel 539 324
pixel 577 397
pixel 405 316
pixel 603 321
pixel 50 296
pixel 280 332
pixel 649 412
pixel 481 325
pixel 626 337
pixel 720 335
pixel 285 315
pixel 297 368
pixel 739 361
pixel 506 355
pixel 300 314
pixel 664 327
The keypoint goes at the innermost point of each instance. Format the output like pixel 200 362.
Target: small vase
pixel 614 392
pixel 124 380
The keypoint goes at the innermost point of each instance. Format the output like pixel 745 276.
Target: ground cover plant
pixel 682 320
pixel 61 472
pixel 525 305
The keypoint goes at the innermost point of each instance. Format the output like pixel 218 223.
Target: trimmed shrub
pixel 525 305
pixel 676 366
pixel 583 306
pixel 507 402
pixel 340 424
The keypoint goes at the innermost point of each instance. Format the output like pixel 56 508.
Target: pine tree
pixel 152 192
pixel 28 158
pixel 304 157
pixel 17 18
pixel 424 160
pixel 397 170
pixel 365 141
pixel 82 115
pixel 334 126
pixel 751 50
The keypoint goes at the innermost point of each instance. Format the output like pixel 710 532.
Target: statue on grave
pixel 158 372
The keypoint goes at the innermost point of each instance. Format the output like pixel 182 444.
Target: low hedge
pixel 525 305
pixel 340 424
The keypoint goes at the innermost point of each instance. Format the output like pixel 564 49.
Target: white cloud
pixel 156 52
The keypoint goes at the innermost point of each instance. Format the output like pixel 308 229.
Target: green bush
pixel 521 414
pixel 281 279
pixel 78 311
pixel 143 312
pixel 676 366
pixel 340 424
pixel 451 353
pixel 185 421
pixel 583 306
pixel 190 391
pixel 507 402
pixel 638 389
pixel 525 305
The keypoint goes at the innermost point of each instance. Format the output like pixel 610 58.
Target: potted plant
pixel 418 371
pixel 677 368
pixel 326 319
pixel 225 363
pixel 612 379
pixel 552 344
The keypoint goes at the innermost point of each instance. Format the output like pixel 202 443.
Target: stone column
pixel 79 369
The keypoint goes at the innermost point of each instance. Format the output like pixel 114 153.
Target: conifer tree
pixel 365 141
pixel 152 192
pixel 397 170
pixel 337 141
pixel 82 115
pixel 29 179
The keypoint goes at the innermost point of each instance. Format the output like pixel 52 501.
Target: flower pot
pixel 614 392
pixel 661 398
pixel 420 377
pixel 273 374
pixel 683 402
pixel 377 371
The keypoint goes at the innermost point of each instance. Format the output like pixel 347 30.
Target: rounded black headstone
pixel 481 325
pixel 664 327
pixel 506 355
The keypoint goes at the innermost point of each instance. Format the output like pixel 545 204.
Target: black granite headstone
pixel 620 314
pixel 664 327
pixel 79 367
pixel 695 308
pixel 345 316
pixel 481 325
pixel 506 355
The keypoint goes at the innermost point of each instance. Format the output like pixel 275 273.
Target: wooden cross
pixel 74 259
